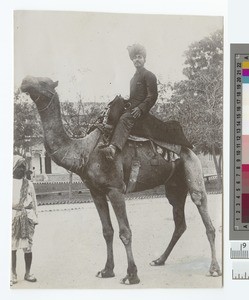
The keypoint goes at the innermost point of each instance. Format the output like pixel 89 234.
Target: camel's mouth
pixel 24 88
pixel 26 84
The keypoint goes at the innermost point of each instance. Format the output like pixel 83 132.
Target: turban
pixel 18 161
pixel 136 49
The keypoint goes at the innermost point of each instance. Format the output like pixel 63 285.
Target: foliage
pixel 78 117
pixel 204 55
pixel 27 125
pixel 197 101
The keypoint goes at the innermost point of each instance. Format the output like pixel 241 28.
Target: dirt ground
pixel 69 248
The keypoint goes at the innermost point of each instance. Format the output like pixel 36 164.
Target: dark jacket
pixel 143 90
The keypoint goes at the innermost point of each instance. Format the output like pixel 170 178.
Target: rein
pixel 51 100
pixel 105 114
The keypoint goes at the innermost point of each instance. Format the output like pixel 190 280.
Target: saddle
pixel 164 137
pixel 171 147
pixel 169 152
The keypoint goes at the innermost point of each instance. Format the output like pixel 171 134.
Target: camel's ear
pixel 55 84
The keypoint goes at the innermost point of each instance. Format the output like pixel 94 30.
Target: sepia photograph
pixel 117 151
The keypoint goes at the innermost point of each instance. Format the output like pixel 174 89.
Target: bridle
pixel 51 100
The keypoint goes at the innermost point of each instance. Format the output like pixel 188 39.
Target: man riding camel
pixel 143 95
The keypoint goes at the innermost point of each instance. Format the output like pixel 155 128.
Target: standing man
pixel 143 95
pixel 24 217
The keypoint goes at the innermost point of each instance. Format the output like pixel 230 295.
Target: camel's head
pixel 38 86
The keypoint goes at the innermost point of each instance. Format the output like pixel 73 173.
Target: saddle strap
pixel 173 164
pixel 135 167
pixel 153 147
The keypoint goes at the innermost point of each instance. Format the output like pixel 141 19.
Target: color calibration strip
pixel 245 140
pixel 239 162
pixel 241 147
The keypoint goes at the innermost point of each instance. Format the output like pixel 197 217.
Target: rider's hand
pixel 30 206
pixel 136 112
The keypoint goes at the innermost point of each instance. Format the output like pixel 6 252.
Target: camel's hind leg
pixel 196 187
pixel 214 269
pixel 176 192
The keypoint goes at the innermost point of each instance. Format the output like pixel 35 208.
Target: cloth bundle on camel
pixel 170 131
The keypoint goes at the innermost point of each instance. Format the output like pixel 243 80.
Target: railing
pixel 61 188
pixel 208 177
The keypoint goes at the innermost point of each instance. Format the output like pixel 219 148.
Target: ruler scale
pixel 239 276
pixel 239 162
pixel 240 270
pixel 241 253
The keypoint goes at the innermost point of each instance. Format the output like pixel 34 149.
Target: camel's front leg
pixel 118 203
pixel 101 204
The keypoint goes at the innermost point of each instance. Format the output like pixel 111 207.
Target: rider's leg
pixel 120 135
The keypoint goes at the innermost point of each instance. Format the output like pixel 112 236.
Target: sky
pixel 87 52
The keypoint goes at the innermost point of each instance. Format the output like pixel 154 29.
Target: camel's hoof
pixel 214 270
pixel 130 279
pixel 214 273
pixel 156 263
pixel 105 274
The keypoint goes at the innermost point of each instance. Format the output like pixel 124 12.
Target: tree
pixel 197 102
pixel 27 126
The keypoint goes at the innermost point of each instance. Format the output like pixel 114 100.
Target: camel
pixel 108 180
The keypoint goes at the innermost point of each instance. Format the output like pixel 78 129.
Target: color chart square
pixel 245 208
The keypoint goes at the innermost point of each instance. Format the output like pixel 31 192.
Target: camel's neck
pixel 69 153
pixel 54 131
